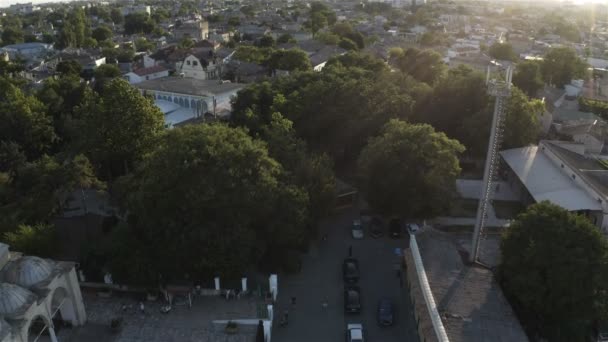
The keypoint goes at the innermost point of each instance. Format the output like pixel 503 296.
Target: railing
pixel 425 287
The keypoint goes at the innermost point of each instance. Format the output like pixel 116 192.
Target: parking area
pixel 321 280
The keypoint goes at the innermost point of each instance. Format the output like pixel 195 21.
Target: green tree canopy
pixel 107 71
pixel 522 125
pixel 117 128
pixel 528 77
pixel 202 226
pixel 266 41
pixel 285 38
pixel 39 240
pixel 102 33
pixel 138 23
pixel 561 65
pixel 503 51
pixel 69 67
pixel 555 269
pixel 116 15
pixel 36 190
pixel 23 121
pixel 424 65
pixel 458 106
pixel 359 60
pixel 74 31
pixel 290 60
pixel 409 170
pixel 60 96
pixel 12 35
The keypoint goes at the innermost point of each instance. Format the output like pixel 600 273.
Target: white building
pixel 146 74
pixel 200 66
pixel 563 173
pixel 36 293
pixel 190 98
pixel 24 8
pixel 136 9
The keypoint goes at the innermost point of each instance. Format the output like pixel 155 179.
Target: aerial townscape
pixel 304 171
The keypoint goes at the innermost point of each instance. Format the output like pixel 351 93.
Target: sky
pixel 6 3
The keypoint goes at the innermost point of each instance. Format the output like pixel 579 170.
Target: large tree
pixel 290 60
pixel 528 77
pixel 208 201
pixel 522 124
pixel 503 51
pixel 35 191
pixel 460 107
pixel 139 23
pixel 561 65
pixel 424 65
pixel 555 269
pixel 409 170
pixel 117 128
pixel 23 121
pixel 12 35
pixel 102 33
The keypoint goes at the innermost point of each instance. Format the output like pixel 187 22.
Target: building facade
pixel 194 29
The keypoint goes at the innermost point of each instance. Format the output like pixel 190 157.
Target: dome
pixel 27 271
pixel 14 299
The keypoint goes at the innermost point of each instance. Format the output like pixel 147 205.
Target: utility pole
pixel 501 90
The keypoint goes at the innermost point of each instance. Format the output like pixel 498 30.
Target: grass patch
pixel 507 209
pixel 463 207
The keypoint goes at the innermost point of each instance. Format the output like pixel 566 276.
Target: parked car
pixel 350 270
pixel 394 228
pixel 412 228
pixel 385 312
pixel 357 229
pixel 376 227
pixel 352 299
pixel 354 332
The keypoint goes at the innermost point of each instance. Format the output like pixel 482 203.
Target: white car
pixel 357 229
pixel 413 228
pixel 354 332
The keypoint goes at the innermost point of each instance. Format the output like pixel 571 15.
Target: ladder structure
pixel 501 90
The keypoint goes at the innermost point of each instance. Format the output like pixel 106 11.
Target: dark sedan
pixel 395 228
pixel 385 312
pixel 352 299
pixel 350 270
pixel 376 227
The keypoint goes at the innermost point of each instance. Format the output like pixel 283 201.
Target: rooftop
pixel 190 86
pixel 545 181
pixel 150 70
pixel 470 301
pixel 587 166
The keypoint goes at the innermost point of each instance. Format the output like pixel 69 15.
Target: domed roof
pixel 14 299
pixel 27 271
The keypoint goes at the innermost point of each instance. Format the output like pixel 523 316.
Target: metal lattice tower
pixel 501 90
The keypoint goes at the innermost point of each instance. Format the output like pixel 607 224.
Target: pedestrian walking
pixel 293 301
pixel 142 308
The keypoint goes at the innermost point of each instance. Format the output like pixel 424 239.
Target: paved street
pixel 321 277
